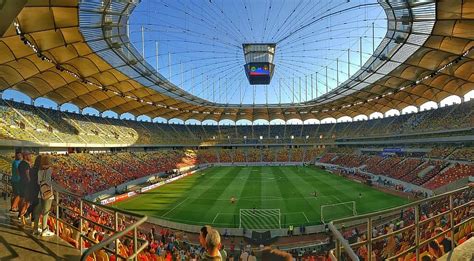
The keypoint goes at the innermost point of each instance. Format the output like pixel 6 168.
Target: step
pixel 422 173
pixel 17 243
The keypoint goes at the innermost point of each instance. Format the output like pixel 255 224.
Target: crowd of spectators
pixel 421 171
pixel 165 244
pixel 440 152
pixel 436 165
pixel 452 174
pixel 408 166
pixel 464 154
pixel 26 122
pixel 253 155
pixel 350 160
pixel 85 173
pixel 401 239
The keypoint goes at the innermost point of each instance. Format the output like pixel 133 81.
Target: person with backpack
pixel 45 196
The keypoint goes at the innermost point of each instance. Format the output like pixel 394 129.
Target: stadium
pixel 236 130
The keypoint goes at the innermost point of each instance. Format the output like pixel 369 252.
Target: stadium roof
pixel 80 53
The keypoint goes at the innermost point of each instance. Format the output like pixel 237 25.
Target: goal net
pixel 260 218
pixel 337 211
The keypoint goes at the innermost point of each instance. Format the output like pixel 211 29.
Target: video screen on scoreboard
pixel 259 70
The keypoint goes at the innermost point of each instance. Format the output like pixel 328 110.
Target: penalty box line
pixel 301 212
pixel 169 211
pixel 221 213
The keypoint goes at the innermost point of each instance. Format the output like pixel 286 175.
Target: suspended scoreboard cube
pixel 259 65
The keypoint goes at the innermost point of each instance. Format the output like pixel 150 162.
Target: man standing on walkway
pixel 15 182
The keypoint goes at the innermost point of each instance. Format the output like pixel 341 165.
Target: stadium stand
pixel 426 172
pixel 82 55
pixel 33 124
pixel 88 173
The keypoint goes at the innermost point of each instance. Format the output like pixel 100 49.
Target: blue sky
pixel 203 40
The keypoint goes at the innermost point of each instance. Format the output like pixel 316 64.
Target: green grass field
pixel 280 195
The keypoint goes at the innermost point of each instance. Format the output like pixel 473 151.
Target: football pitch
pixel 265 197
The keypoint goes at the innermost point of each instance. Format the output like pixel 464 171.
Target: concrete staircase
pixel 422 173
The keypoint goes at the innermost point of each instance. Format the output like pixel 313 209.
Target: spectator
pixel 434 249
pixel 213 243
pixel 252 257
pixel 443 241
pixel 203 235
pixel 33 188
pixel 46 198
pixel 290 230
pixel 15 201
pixel 24 173
pixel 269 254
pixel 244 256
pixel 223 253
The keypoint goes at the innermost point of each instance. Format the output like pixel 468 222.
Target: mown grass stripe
pixel 269 187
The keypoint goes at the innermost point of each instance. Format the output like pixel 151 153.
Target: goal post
pixel 338 210
pixel 260 218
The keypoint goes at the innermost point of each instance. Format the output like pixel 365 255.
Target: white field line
pixel 169 211
pixel 340 201
pixel 215 217
pixel 307 220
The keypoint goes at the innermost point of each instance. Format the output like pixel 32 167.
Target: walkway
pixel 18 243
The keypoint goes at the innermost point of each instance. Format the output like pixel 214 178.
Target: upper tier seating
pixel 20 121
pixel 466 154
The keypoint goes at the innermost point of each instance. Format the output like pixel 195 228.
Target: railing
pixel 115 234
pixel 68 208
pixel 5 187
pixel 457 210
pixel 420 226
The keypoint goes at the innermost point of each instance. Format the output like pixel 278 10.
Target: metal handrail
pixel 63 194
pixel 116 236
pixel 341 240
pixel 336 254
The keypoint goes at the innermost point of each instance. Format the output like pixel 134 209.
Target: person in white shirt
pixel 252 257
pixel 244 256
pixel 46 199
